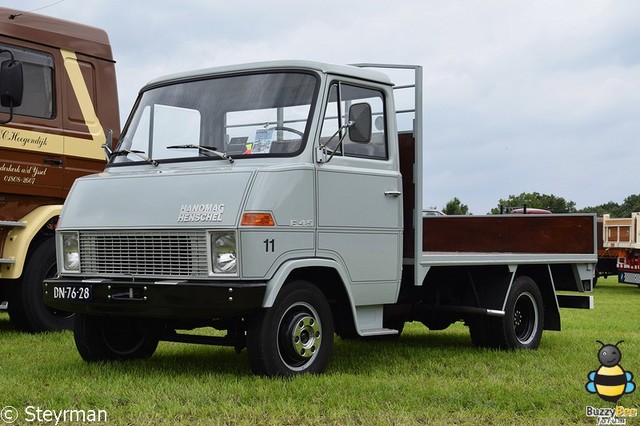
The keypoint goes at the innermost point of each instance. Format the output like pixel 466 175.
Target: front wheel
pixel 105 338
pixel 294 336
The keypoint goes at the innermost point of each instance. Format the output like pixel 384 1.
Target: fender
pixel 274 285
pixel 18 240
pixel 543 275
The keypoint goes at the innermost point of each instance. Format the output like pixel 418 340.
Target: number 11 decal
pixel 269 245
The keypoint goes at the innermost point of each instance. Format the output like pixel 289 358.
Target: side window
pixel 72 108
pixel 341 97
pixel 37 67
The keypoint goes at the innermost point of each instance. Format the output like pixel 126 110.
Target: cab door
pixel 359 199
pixel 31 144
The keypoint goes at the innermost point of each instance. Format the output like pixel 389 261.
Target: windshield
pixel 242 116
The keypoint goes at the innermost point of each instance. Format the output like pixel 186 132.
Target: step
pixel 378 332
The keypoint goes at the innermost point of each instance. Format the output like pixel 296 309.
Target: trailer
pixel 281 202
pixel 622 239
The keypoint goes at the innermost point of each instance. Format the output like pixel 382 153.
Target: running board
pixel 370 321
pixel 378 332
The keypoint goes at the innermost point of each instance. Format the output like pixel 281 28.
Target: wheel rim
pixel 299 336
pixel 525 318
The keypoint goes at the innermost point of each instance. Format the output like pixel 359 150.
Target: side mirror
pixel 360 123
pixel 108 152
pixel 11 84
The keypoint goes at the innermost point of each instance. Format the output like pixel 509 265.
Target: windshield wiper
pixel 203 148
pixel 139 154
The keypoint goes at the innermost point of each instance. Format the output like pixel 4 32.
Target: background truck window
pixel 37 67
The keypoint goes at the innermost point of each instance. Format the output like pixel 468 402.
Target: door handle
pixel 392 193
pixel 53 161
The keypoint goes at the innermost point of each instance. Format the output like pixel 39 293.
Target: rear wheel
pixel 523 322
pixel 524 316
pixel 27 310
pixel 294 336
pixel 105 338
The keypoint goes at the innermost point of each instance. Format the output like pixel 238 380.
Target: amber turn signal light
pixel 257 219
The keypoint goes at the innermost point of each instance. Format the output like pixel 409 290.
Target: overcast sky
pixel 520 96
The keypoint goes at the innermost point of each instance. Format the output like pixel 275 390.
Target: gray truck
pixel 279 204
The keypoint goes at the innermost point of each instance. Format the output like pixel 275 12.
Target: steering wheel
pixel 288 129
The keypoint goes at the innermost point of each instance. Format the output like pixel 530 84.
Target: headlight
pixel 223 253
pixel 70 252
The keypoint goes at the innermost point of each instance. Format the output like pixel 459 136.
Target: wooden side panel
pixel 553 234
pixel 618 230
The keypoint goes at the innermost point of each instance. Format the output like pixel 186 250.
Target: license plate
pixel 72 292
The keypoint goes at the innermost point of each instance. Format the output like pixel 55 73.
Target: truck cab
pixel 230 184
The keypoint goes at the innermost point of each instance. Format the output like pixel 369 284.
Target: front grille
pixel 153 254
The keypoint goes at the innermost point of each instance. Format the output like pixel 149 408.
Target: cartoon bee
pixel 610 381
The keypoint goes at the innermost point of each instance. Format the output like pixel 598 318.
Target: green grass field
pixel 424 377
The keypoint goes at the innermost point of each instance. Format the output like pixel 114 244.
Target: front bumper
pixel 154 299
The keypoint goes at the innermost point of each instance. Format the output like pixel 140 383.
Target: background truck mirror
pixel 11 83
pixel 360 130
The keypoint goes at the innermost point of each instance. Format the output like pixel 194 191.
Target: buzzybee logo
pixel 610 381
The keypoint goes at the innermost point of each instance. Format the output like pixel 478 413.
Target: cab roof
pixel 54 32
pixel 320 67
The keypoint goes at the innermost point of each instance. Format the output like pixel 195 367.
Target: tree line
pixel 549 202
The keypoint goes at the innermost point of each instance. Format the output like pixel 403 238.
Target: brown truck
pixel 59 101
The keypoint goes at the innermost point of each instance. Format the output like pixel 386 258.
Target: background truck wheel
pixel 105 338
pixel 295 336
pixel 27 310
pixel 522 325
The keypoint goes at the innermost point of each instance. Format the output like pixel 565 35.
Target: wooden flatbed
pixel 517 239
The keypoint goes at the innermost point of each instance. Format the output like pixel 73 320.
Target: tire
pixel 107 339
pixel 294 336
pixel 523 322
pixel 27 310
